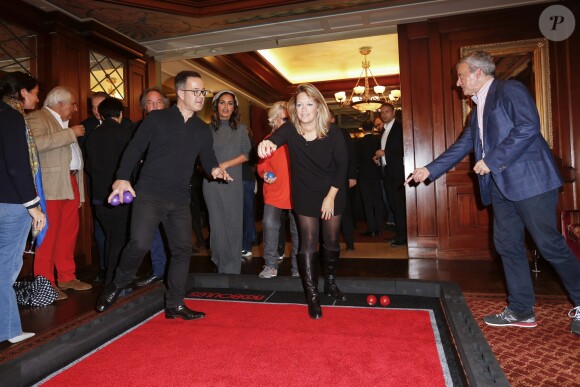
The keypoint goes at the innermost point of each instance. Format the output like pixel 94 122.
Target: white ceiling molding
pixel 369 22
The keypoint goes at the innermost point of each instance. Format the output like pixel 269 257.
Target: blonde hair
pixel 274 112
pixel 323 113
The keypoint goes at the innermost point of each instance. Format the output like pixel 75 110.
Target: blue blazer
pixel 519 158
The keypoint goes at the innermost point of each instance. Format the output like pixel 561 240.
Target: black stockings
pixel 309 233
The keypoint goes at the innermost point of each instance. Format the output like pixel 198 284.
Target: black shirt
pixel 172 146
pixel 315 166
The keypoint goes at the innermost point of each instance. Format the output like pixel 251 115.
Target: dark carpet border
pixel 480 365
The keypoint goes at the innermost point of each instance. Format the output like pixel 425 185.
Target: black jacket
pixel 104 148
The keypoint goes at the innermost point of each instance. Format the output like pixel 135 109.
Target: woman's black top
pixel 315 166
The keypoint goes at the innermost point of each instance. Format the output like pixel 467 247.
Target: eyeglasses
pixel 198 93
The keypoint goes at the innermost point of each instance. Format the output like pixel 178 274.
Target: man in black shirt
pixel 173 139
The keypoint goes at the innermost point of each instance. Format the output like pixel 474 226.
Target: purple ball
pixel 270 175
pixel 115 201
pixel 127 197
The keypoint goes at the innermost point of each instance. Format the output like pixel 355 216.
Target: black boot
pixel 308 268
pixel 330 263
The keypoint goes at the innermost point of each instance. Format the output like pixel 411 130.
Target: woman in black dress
pixel 318 162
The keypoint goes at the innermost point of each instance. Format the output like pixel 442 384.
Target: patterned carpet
pixel 548 355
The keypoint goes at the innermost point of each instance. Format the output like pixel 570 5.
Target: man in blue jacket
pixel 518 177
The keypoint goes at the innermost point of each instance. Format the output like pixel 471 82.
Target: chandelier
pixel 363 98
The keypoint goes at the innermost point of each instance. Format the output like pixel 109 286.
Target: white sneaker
pixel 22 337
pixel 268 272
pixel 246 253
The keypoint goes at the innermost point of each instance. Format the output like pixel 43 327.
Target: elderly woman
pixel 224 200
pixel 276 198
pixel 19 200
pixel 318 163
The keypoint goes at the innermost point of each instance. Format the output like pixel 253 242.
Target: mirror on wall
pixel 526 61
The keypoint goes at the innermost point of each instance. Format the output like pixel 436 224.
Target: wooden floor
pixel 367 261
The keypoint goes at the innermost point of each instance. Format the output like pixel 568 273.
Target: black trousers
pixel 374 207
pixel 397 200
pixel 147 213
pixel 114 221
pixel 347 225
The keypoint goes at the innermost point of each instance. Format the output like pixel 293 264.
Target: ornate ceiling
pixel 223 36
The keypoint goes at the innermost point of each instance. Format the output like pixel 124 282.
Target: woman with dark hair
pixel 224 199
pixel 318 165
pixel 19 198
pixel 104 148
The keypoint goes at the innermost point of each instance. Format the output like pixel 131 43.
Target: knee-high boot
pixel 308 269
pixel 330 263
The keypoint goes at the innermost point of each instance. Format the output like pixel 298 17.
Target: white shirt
pixel 384 137
pixel 479 98
pixel 76 159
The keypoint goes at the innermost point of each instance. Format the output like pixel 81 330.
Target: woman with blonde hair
pixel 318 162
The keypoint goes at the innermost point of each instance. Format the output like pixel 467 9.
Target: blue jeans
pixel 271 225
pixel 249 223
pixel 158 256
pixel 538 215
pixel 15 225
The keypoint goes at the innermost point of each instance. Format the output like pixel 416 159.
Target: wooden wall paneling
pixel 409 152
pixel 424 135
pixel 572 77
pixel 566 118
pixel 136 83
pixel 421 217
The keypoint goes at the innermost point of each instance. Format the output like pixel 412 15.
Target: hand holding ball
pixel 115 201
pixel 127 198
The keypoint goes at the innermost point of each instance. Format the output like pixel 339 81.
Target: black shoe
pixel 397 243
pixel 108 297
pixel 152 279
pixel 349 246
pixel 183 312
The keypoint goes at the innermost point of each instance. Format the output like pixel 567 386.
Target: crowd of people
pixel 308 165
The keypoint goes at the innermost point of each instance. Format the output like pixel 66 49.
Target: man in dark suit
pixel 90 124
pixel 390 157
pixel 369 179
pixel 518 177
pixel 103 150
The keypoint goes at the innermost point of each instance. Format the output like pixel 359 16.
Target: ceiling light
pixel 363 98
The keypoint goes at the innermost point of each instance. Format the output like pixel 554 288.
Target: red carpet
pixel 268 344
